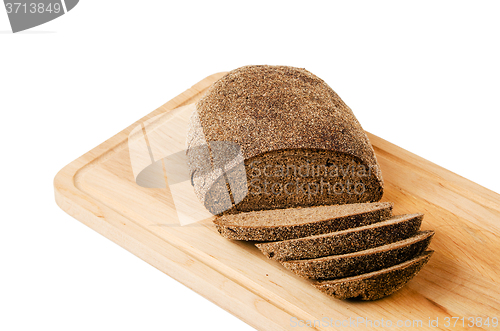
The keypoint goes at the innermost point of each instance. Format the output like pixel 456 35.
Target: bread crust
pixel 274 109
pixel 290 223
pixel 343 242
pixel 377 284
pixel 346 265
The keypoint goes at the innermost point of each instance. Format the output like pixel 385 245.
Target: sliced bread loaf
pixel 377 284
pixel 282 224
pixel 346 265
pixel 300 144
pixel 343 242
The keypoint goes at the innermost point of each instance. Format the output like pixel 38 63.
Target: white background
pixel 423 75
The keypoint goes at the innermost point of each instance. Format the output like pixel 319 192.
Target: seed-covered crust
pixel 343 242
pixel 282 224
pixel 377 284
pixel 285 113
pixel 346 265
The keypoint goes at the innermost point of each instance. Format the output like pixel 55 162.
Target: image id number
pixel 32 8
pixel 471 322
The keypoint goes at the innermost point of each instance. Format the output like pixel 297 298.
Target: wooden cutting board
pixel 461 279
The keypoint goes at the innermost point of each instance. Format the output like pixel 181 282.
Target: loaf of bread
pixel 273 137
pixel 289 223
pixel 280 159
pixel 374 285
pixel 342 242
pixel 345 265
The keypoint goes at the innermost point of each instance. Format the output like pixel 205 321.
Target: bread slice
pixel 298 143
pixel 346 265
pixel 346 241
pixel 282 224
pixel 377 284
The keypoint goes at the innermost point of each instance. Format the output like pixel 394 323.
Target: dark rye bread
pixel 374 285
pixel 343 242
pixel 346 265
pixel 282 224
pixel 272 137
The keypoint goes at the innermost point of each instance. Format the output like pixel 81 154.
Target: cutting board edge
pixel 76 203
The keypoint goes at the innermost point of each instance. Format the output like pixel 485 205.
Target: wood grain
pixel 461 279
